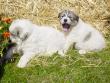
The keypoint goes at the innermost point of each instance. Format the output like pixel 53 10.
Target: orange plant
pixel 6 34
pixel 7 20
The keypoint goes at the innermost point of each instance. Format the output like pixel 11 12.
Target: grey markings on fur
pixel 25 37
pixel 87 37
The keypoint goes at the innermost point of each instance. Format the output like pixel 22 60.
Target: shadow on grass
pixel 6 58
pixel 1 70
pixel 3 63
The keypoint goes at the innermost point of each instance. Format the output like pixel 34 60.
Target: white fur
pixel 96 41
pixel 41 40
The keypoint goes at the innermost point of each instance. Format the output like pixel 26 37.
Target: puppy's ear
pixel 77 18
pixel 59 15
pixel 25 36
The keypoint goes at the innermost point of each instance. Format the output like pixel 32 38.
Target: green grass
pixel 74 68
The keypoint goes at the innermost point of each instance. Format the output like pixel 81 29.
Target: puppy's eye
pixel 62 16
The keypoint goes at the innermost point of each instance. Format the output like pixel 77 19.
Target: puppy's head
pixel 19 29
pixel 68 19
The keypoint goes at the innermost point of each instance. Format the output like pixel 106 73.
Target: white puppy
pixel 34 40
pixel 84 36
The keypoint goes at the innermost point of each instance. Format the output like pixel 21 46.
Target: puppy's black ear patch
pixel 59 15
pixel 25 37
pixel 77 18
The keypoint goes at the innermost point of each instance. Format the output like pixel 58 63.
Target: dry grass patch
pixel 96 12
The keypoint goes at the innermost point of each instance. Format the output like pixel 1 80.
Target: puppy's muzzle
pixel 66 25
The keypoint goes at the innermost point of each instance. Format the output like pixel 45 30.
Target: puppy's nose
pixel 65 20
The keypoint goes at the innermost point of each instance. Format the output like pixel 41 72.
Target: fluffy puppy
pixel 34 40
pixel 84 36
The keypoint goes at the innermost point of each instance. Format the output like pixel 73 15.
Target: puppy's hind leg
pixel 25 59
pixel 80 47
pixel 81 52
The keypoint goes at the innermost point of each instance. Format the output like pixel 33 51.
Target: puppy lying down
pixel 33 40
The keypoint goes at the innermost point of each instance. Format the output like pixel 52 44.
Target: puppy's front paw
pixel 82 52
pixel 61 53
pixel 21 65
